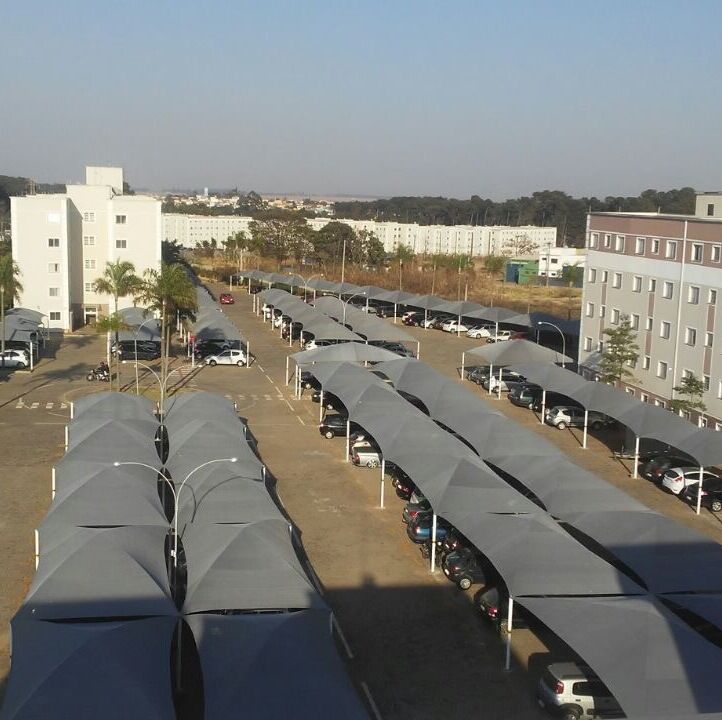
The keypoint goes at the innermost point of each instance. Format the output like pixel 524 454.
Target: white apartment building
pixel 665 273
pixel 474 240
pixel 62 242
pixel 191 230
pixel 553 260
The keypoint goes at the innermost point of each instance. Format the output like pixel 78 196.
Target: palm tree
pixel 166 291
pixel 9 286
pixel 118 279
pixel 108 324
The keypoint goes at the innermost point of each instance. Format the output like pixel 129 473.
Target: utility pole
pixel 549 263
pixel 401 267
pixel 343 261
pixel 433 278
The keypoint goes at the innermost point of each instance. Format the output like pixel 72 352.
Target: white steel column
pixel 348 437
pixel 463 358
pixel 509 624
pixel 699 489
pixel 320 407
pixel 432 554
pixel 544 406
pixel 491 375
pixel 586 425
pixel 636 457
pixel 383 478
pixel 288 358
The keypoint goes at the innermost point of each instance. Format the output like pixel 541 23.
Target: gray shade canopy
pixel 108 445
pixel 93 573
pixel 114 405
pixel 425 302
pixel 273 666
pixel 517 351
pixel 343 352
pixel 131 430
pixel 109 670
pixel 395 297
pixel 26 313
pixel 706 606
pixel 460 308
pixel 652 662
pixel 245 567
pixel 136 316
pixel 182 407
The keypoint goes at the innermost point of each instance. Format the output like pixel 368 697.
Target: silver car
pixel 228 357
pixel 365 454
pixel 15 359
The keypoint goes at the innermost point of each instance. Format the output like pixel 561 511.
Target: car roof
pixel 571 670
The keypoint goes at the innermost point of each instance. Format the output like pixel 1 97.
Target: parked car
pixel 146 350
pixel 412 319
pixel 677 479
pixel 228 357
pixel 480 332
pixel 454 326
pixel 394 347
pixel 402 483
pixel 653 466
pixel 15 359
pixel 296 330
pixel 313 344
pixel 413 509
pixel 711 494
pixel 553 399
pixel 204 348
pixel 334 425
pixel 572 691
pixel 308 380
pixel 226 299
pixel 562 416
pixel 436 323
pixel 419 531
pixel 478 374
pixel 454 541
pixel 330 402
pixel 503 335
pixel 493 605
pixel 525 394
pixel 366 454
pixel 464 567
pixel 509 379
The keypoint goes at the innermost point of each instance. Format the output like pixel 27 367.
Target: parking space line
pixel 372 703
pixel 300 419
pixel 289 405
pixel 341 636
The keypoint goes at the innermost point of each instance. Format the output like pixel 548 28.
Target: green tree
pixel 620 353
pixel 166 291
pixel 572 274
pixel 373 248
pixel 691 390
pixel 402 253
pixel 235 245
pixel 494 263
pixel 10 289
pixel 328 243
pixel 108 324
pixel 279 238
pixel 118 280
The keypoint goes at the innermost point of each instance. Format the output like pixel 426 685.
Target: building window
pixel 693 295
pixel 708 339
pixel 716 253
pixel 120 219
pixel 88 287
pixel 650 323
pixel 719 390
pixel 594 240
pixel 54 242
pixel 602 311
pixel 662 370
pixel 637 283
pixel 587 343
pixel 671 253
pixel 89 264
pixel 667 289
pixel 121 244
pixel 53 267
pixel 660 403
pixel 655 246
pixel 619 243
pixel 89 217
pixel 652 287
pixel 639 246
pixel 697 254
pixel 54 292
pixel 592 275
pixel 615 316
pixel 605 275
pixel 617 280
pixel 89 240
pixel 705 382
pixel 607 241
pixel 646 362
pixel 712 297
pixel 702 421
pixel 634 322
pixel 54 315
pixel 710 209
pixel 690 336
pixel 686 374
pixel 644 397
pixel 665 329
pixel 590 309
pixel 629 391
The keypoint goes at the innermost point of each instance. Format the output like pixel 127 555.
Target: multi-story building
pixel 62 242
pixel 665 273
pixel 553 260
pixel 192 230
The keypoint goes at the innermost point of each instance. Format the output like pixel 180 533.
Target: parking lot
pixel 414 642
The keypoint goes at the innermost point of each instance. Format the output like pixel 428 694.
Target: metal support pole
pixel 37 549
pixel 394 313
pixel 498 387
pixel 458 327
pixel 320 407
pixel 463 358
pixel 491 375
pixel 383 478
pixel 248 354
pixel 636 457
pixel 426 317
pixel 288 358
pixel 32 359
pixel 432 554
pixel 290 335
pixel 348 438
pixel 66 438
pixel 72 410
pixel 418 350
pixel 699 489
pixel 509 624
pixel 544 406
pixel 52 483
pixel 586 425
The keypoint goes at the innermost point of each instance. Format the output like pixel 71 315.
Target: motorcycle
pixel 98 374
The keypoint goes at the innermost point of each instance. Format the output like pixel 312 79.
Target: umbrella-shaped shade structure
pixel 109 573
pixel 460 308
pixel 348 382
pixel 274 666
pixel 136 316
pixel 133 430
pixel 108 445
pixel 395 297
pixel 425 302
pixel 198 405
pixel 34 316
pixel 114 405
pixel 654 663
pixel 344 352
pixel 245 567
pixel 111 670
pixel 516 351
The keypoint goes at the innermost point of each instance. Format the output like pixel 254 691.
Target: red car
pixel 226 299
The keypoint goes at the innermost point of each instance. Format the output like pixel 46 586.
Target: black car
pixel 525 395
pixel 711 494
pixel 413 319
pixel 420 528
pixel 465 567
pixel 296 330
pixel 402 483
pixel 395 347
pixel 330 401
pixel 146 350
pixel 454 541
pixel 210 347
pixel 478 374
pixel 412 510
pixel 308 381
pixel 652 466
pixel 552 400
pixel 494 606
pixel 335 426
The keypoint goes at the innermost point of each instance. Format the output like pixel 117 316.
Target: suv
pixel 652 466
pixel 572 691
pixel 464 567
pixel 562 416
pixel 394 347
pixel 228 357
pixel 335 426
pixel 711 494
pixel 525 395
pixel 677 479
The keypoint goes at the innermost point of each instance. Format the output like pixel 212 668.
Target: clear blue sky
pixel 378 98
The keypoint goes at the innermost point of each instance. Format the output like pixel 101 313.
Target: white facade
pixel 62 243
pixel 553 260
pixel 191 230
pixel 474 240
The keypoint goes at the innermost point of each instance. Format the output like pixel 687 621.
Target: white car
pixel 228 357
pixel 15 359
pixel 483 331
pixel 454 326
pixel 677 479
pixel 500 336
pixel 363 453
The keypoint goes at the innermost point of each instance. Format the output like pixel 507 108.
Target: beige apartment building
pixel 665 273
pixel 62 243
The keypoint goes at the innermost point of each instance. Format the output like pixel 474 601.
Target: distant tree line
pixel 546 208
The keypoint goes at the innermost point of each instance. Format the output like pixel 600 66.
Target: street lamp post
pixel 305 283
pixel 135 344
pixel 346 302
pixel 564 341
pixel 162 385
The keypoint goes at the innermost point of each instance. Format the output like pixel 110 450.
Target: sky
pixel 373 98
